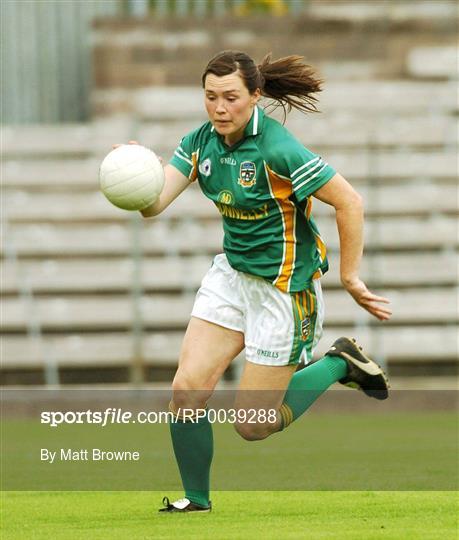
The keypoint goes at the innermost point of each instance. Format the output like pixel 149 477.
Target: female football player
pixel 263 293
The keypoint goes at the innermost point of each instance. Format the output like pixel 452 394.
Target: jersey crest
pixel 305 328
pixel 247 174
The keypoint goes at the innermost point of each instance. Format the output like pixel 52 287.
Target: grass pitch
pixel 400 453
pixel 324 452
pixel 237 515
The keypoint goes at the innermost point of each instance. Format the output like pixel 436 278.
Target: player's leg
pixel 280 395
pixel 213 338
pixel 259 398
pixel 344 362
pixel 206 352
pixel 283 330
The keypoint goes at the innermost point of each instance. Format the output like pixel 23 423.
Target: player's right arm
pixel 180 172
pixel 175 183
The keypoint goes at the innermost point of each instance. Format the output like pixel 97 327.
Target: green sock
pixel 194 447
pixel 308 384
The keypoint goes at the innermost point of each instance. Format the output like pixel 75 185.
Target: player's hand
pixel 118 145
pixel 376 305
pixel 134 142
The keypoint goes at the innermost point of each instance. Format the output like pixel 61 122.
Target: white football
pixel 131 177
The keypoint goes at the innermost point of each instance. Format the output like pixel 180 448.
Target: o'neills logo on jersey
pixel 228 161
pixel 247 174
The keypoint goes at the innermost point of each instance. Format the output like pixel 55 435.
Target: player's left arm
pixel 348 205
pixel 174 183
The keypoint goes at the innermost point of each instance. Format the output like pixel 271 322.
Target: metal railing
pixel 34 333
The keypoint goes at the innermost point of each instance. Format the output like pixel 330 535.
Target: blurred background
pixel 91 294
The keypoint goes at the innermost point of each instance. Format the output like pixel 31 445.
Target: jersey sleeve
pixel 185 157
pixel 307 171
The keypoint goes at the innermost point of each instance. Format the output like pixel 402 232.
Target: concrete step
pixel 179 273
pixel 161 236
pixel 52 174
pixel 115 312
pixel 422 344
pixel 101 275
pixel 358 165
pixel 21 206
pixel 65 140
pixel 393 165
pixel 434 62
pixel 371 97
pixel 61 144
pixel 395 11
pixel 337 129
pixel 344 129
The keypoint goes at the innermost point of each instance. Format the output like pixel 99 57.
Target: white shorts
pixel 279 328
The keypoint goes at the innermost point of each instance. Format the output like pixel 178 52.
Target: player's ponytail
pixel 288 81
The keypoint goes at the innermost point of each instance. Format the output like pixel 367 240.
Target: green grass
pixel 237 515
pixel 326 452
pixel 388 476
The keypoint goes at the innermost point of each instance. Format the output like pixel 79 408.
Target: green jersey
pixel 262 187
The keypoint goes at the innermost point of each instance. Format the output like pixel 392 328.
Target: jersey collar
pixel 255 125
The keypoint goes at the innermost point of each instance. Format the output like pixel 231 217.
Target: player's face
pixel 229 105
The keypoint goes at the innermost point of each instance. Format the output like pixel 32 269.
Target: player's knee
pixel 253 432
pixel 182 382
pixel 189 391
pixel 185 380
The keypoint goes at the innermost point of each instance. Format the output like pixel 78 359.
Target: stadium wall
pixel 131 54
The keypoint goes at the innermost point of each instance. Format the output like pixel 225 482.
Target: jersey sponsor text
pixel 239 213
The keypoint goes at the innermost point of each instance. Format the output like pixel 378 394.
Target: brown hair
pixel 288 81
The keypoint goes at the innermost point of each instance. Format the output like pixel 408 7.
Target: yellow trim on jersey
pixel 305 303
pixel 302 311
pixel 194 170
pixel 321 248
pixel 281 188
pixel 311 303
pixel 308 209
